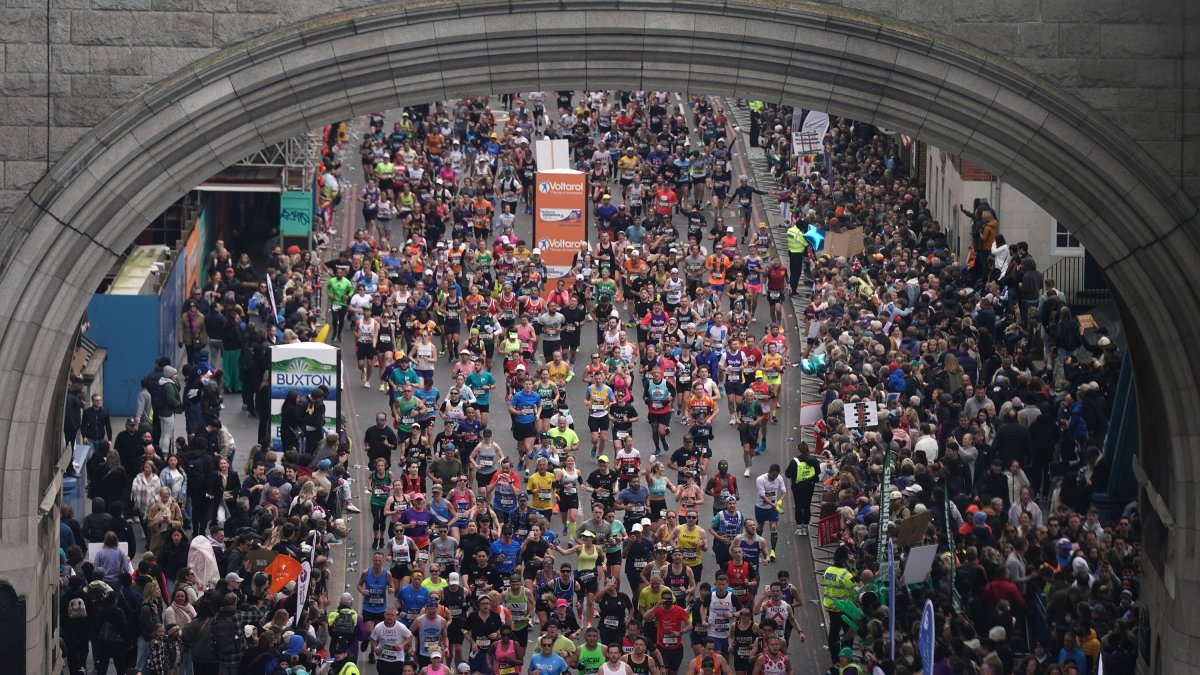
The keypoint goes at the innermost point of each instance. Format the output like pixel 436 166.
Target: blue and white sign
pixel 926 638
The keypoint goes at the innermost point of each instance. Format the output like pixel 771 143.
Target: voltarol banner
pixel 560 217
pixel 303 367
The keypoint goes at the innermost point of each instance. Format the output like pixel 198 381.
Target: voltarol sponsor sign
pixel 303 367
pixel 561 217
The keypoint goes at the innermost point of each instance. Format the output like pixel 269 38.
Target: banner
pixel 302 589
pixel 926 638
pixel 885 502
pixel 953 551
pixel 303 367
pixel 560 217
pixel 810 136
pixel 829 530
pixel 892 596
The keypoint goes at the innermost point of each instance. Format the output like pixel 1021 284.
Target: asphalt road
pixel 794 553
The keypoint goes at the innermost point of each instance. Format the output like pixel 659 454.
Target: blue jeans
pixel 143 650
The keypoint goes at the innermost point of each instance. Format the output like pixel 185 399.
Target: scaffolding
pixel 296 159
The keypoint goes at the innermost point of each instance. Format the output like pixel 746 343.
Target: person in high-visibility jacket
pixel 837 585
pixel 797 247
pixel 844 663
pixel 802 471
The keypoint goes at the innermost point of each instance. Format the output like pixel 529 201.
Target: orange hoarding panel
pixel 560 217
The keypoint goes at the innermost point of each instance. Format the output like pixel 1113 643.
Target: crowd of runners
pixel 495 551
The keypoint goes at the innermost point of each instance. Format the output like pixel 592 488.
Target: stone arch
pixel 1125 208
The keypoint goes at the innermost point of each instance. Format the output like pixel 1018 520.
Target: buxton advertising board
pixel 303 367
pixel 560 217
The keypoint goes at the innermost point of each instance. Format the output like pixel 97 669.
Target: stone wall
pixel 105 51
pixel 1124 58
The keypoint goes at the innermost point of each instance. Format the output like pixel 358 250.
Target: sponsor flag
pixel 560 217
pixel 282 570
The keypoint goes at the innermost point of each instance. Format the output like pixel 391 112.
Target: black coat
pixel 1012 441
pixel 231 484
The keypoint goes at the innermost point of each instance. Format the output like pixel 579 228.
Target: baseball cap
pixel 464 668
pixel 560 603
pixel 232 576
pixel 419 495
pixel 637 527
pixel 602 458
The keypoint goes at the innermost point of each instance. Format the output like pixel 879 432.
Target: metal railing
pixel 1080 280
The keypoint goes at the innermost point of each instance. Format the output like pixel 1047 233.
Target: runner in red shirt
pixel 665 200
pixel 673 622
pixel 776 286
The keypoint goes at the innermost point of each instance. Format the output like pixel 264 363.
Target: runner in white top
pixel 390 638
pixel 614 665
pixel 769 488
pixel 721 609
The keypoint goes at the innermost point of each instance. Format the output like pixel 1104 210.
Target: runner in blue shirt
pixel 506 551
pixel 412 598
pixel 524 406
pixel 545 661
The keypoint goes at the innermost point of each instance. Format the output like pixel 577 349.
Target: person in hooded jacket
pixel 97 522
pixel 121 527
pixel 197 639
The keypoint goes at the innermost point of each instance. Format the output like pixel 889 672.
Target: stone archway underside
pixel 1129 213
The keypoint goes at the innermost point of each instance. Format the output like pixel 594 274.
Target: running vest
pixel 660 396
pixel 689 544
pixel 518 605
pixel 678 583
pixel 720 615
pixel 376 598
pixel 590 660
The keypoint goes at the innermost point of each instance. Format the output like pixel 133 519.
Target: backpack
pixel 77 608
pixel 225 636
pixel 345 624
pixel 196 474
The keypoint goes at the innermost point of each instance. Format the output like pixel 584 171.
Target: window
pixel 1062 242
